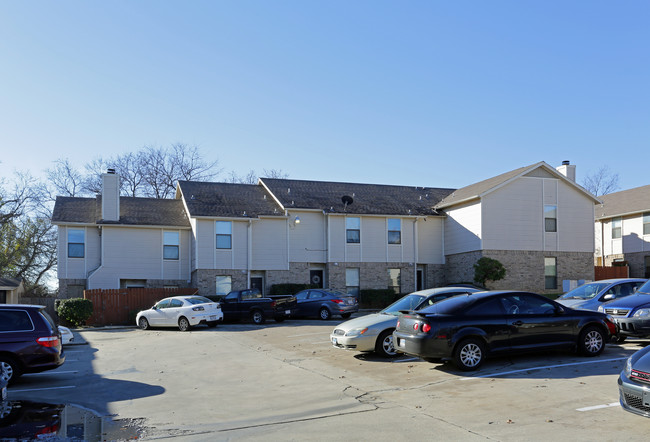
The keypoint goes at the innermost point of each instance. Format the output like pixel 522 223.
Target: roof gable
pixel 625 202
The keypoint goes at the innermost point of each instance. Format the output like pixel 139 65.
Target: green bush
pixel 488 269
pixel 74 311
pixel 377 298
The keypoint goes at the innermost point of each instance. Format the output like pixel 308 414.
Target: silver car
pixel 592 295
pixel 634 383
pixel 374 332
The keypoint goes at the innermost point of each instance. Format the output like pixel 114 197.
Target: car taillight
pixel 50 341
pixel 397 324
pixel 611 325
pixel 338 301
pixel 426 328
pixel 272 304
pixel 416 326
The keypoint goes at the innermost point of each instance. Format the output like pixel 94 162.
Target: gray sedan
pixel 634 383
pixel 592 295
pixel 374 332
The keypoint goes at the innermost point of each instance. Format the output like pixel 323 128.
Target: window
pixel 76 244
pixel 395 280
pixel 353 230
pixel 490 307
pixel 352 282
pixel 394 231
pixel 527 305
pixel 550 273
pixel 550 218
pixel 646 223
pixel 224 285
pixel 616 227
pixel 224 234
pixel 170 245
pixel 646 260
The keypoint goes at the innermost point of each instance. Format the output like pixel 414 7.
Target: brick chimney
pixel 110 196
pixel 568 170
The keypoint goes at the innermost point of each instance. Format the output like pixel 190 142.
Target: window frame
pixel 550 209
pixel 353 225
pixel 221 234
pixel 168 246
pixel 391 230
pixel 76 243
pixel 392 279
pixel 350 287
pixel 617 227
pixel 548 277
pixel 646 223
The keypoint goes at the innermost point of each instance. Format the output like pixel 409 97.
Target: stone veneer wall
pixel 524 269
pixel 372 275
pixel 206 280
pixel 636 262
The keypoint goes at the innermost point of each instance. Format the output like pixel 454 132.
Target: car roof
pixel 615 280
pixel 22 306
pixel 436 290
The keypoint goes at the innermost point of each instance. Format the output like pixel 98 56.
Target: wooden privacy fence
pixel 119 306
pixel 611 272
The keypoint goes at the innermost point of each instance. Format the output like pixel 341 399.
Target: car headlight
pixel 642 313
pixel 628 367
pixel 356 332
pixel 601 309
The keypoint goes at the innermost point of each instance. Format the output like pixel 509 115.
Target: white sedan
pixel 182 312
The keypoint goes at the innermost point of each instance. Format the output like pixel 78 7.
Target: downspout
pixel 249 261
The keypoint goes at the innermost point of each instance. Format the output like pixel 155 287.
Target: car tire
pixel 591 341
pixel 212 324
pixel 346 315
pixel 257 316
pixel 384 346
pixel 469 354
pixel 11 368
pixel 143 323
pixel 183 324
pixel 324 314
pixel 279 319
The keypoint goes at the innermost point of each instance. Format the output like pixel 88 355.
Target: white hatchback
pixel 183 312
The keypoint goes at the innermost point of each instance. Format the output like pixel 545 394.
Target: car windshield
pixel 586 291
pixel 197 300
pixel 408 302
pixel 645 288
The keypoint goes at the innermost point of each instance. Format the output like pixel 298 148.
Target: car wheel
pixel 10 369
pixel 257 316
pixel 592 341
pixel 469 354
pixel 324 314
pixel 143 323
pixel 384 346
pixel 346 315
pixel 212 324
pixel 183 324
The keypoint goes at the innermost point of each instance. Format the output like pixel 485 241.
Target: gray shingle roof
pixel 228 200
pixel 626 202
pixel 133 211
pixel 368 199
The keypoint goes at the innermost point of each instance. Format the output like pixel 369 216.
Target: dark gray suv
pixel 30 341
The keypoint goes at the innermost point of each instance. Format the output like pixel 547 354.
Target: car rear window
pixel 449 306
pixel 197 300
pixel 15 320
pixel 49 319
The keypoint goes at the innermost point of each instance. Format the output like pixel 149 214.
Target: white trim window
pixel 352 281
pixel 353 230
pixel 76 243
pixel 394 231
pixel 550 218
pixel 617 227
pixel 646 223
pixel 550 273
pixel 171 245
pixel 395 280
pixel 224 285
pixel 224 234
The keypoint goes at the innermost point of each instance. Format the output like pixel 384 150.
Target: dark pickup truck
pixel 251 304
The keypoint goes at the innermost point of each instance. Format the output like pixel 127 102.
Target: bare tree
pixel 252 177
pixel 65 179
pixel 601 182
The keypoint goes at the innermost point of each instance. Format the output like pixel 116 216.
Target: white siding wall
pixel 336 239
pixel 205 244
pixel 77 268
pixel 513 216
pixel 307 239
pixel 463 228
pixel 632 241
pixel 270 250
pixel 430 244
pixel 374 239
pixel 136 253
pixel 575 212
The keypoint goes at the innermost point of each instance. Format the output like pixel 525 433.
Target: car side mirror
pixel 609 297
pixel 154 307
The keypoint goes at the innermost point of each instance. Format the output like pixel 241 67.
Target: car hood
pixel 572 303
pixel 368 321
pixel 641 360
pixel 631 301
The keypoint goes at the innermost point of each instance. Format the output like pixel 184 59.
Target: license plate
pixel 401 343
pixel 213 318
pixel 334 341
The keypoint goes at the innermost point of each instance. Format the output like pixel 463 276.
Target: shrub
pixel 376 298
pixel 74 311
pixel 488 269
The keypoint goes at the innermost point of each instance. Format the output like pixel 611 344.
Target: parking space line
pixel 543 367
pixel 41 389
pixel 598 407
pixel 406 360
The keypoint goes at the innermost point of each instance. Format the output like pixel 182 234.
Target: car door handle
pixel 518 323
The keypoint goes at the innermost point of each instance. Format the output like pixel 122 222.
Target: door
pixel 316 278
pixel 419 279
pixel 257 282
pixel 173 312
pixel 157 315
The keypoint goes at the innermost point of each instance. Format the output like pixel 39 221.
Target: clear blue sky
pixel 427 93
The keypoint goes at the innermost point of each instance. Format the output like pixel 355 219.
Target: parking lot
pixel 286 382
